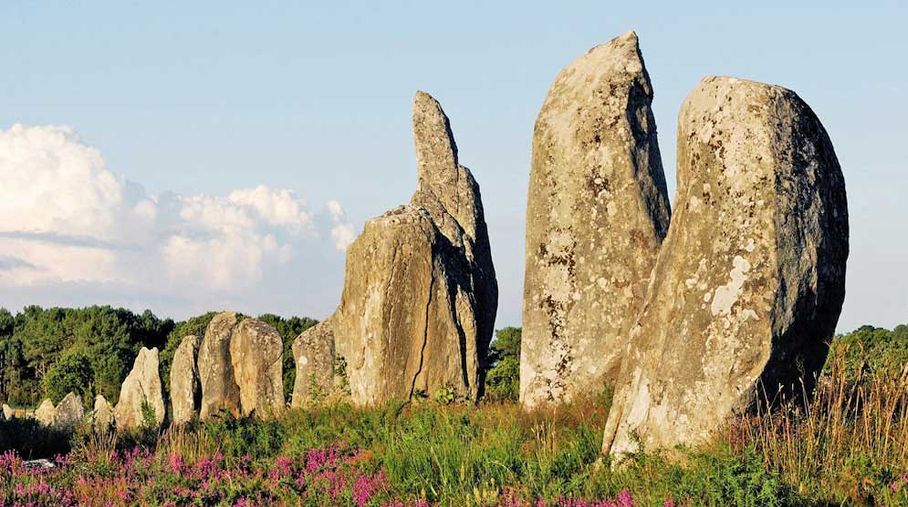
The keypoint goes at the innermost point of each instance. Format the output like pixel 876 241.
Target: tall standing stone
pixel 8 412
pixel 256 353
pixel 420 294
pixel 219 388
pixel 597 212
pixel 750 280
pixel 141 391
pixel 185 391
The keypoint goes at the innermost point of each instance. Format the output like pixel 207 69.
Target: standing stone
pixel 141 389
pixel 69 413
pixel 185 391
pixel 103 415
pixel 8 412
pixel 313 353
pixel 597 212
pixel 44 414
pixel 750 280
pixel 219 388
pixel 256 352
pixel 420 294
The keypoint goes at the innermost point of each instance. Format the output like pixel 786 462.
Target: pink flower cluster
pixel 899 483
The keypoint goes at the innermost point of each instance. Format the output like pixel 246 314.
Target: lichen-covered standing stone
pixel 185 391
pixel 256 353
pixel 313 352
pixel 219 388
pixel 750 281
pixel 141 391
pixel 420 294
pixel 597 212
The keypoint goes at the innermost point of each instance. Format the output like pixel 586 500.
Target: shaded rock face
pixel 69 413
pixel 420 295
pixel 102 415
pixel 185 390
pixel 141 388
pixel 597 213
pixel 219 388
pixel 256 353
pixel 44 414
pixel 313 353
pixel 749 283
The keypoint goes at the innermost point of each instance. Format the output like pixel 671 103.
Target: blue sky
pixel 198 103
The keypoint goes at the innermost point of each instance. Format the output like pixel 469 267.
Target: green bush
pixel 503 377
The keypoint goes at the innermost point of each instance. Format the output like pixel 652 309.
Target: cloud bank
pixel 67 220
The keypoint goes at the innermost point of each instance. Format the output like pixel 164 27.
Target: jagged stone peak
pixel 444 187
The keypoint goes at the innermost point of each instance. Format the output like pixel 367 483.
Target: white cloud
pixel 342 233
pixel 66 218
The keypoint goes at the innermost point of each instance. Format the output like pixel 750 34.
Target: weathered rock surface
pixel 420 294
pixel 219 388
pixel 313 352
pixel 256 353
pixel 185 390
pixel 749 283
pixel 597 213
pixel 142 387
pixel 102 415
pixel 68 413
pixel 44 414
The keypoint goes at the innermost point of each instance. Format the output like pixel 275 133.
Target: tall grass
pixel 848 443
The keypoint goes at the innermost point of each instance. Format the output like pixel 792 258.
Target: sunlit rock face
pixel 750 280
pixel 420 294
pixel 185 391
pixel 220 391
pixel 597 212
pixel 141 391
pixel 256 351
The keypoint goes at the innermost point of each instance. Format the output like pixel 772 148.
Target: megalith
pixel 256 354
pixel 141 399
pixel 597 212
pixel 185 391
pixel 219 388
pixel 750 280
pixel 420 294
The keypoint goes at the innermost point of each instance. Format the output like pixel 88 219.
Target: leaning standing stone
pixel 597 212
pixel 44 414
pixel 750 281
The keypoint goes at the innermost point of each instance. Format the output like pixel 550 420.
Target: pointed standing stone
pixel 45 413
pixel 185 391
pixel 141 390
pixel 68 413
pixel 750 281
pixel 597 212
pixel 420 294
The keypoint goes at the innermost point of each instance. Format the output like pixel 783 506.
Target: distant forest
pixel 46 353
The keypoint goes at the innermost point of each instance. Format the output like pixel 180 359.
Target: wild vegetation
pixel 847 445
